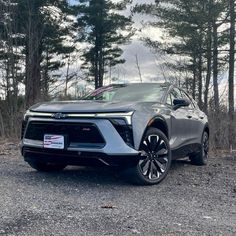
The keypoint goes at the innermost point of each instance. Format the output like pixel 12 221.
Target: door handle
pixel 189 116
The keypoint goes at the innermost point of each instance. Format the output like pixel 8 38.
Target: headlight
pixel 27 115
pixel 125 115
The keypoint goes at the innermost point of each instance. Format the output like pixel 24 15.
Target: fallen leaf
pixel 108 207
pixel 135 231
pixel 207 217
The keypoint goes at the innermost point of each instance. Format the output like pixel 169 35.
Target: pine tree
pixel 191 32
pixel 104 29
pixel 45 26
pixel 11 59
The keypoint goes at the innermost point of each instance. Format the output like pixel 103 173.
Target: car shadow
pixel 95 175
pixel 82 175
pixel 180 163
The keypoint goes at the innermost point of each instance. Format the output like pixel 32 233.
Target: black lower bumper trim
pixel 76 158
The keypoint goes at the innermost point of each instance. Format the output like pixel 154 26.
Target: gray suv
pixel 141 127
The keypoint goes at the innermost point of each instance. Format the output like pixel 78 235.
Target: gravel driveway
pixel 86 201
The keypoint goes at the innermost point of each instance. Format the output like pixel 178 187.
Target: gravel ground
pixel 96 201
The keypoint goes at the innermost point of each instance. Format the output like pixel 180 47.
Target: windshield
pixel 132 92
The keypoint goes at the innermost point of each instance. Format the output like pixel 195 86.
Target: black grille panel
pixel 126 134
pixel 75 132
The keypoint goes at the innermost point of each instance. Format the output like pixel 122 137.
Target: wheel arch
pixel 142 121
pixel 206 128
pixel 159 123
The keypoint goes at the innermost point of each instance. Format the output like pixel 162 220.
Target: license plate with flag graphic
pixel 54 141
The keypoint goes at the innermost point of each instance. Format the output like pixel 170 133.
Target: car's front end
pixel 72 138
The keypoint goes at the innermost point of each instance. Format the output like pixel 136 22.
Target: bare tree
pixel 10 56
pixel 138 67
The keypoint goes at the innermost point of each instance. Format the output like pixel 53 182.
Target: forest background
pixel 59 49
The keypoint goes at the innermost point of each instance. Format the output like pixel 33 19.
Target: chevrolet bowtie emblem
pixel 59 116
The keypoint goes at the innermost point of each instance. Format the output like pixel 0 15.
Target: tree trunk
pixel 12 82
pixel 194 77
pixel 45 78
pixel 33 55
pixel 96 64
pixel 67 76
pixel 209 58
pixel 138 67
pixel 96 69
pixel 101 68
pixel 231 72
pixel 2 126
pixel 200 103
pixel 215 67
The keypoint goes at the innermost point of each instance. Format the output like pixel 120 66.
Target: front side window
pixel 174 94
pixel 186 96
pixel 178 94
pixel 169 100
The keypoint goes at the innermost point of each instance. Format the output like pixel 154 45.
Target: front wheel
pixel 155 160
pixel 46 167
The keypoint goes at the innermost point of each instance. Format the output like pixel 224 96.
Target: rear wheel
pixel 155 160
pixel 201 157
pixel 46 167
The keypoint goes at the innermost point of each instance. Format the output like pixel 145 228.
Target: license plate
pixel 54 141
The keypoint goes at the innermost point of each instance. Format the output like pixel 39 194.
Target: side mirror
pixel 182 102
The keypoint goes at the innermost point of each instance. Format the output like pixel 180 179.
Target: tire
pixel 155 160
pixel 46 167
pixel 201 157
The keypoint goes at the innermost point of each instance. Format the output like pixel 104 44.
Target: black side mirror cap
pixel 180 102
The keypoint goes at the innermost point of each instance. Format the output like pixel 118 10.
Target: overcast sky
pixel 150 71
pixel 150 64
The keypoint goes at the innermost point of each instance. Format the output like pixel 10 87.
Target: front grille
pixel 80 133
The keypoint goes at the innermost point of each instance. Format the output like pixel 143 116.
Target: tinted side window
pixel 178 93
pixel 185 95
pixel 169 100
pixel 174 93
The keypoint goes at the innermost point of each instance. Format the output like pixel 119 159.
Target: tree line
pixel 200 35
pixel 37 38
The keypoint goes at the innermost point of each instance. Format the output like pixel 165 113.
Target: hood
pixel 84 106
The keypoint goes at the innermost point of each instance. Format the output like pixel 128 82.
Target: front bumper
pixel 113 147
pixel 76 158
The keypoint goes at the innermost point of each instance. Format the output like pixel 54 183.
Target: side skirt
pixel 185 151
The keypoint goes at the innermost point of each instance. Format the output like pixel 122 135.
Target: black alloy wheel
pixel 155 159
pixel 201 157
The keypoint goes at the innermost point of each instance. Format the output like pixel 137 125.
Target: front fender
pixel 141 120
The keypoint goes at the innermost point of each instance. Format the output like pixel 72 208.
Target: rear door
pixel 198 119
pixel 194 116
